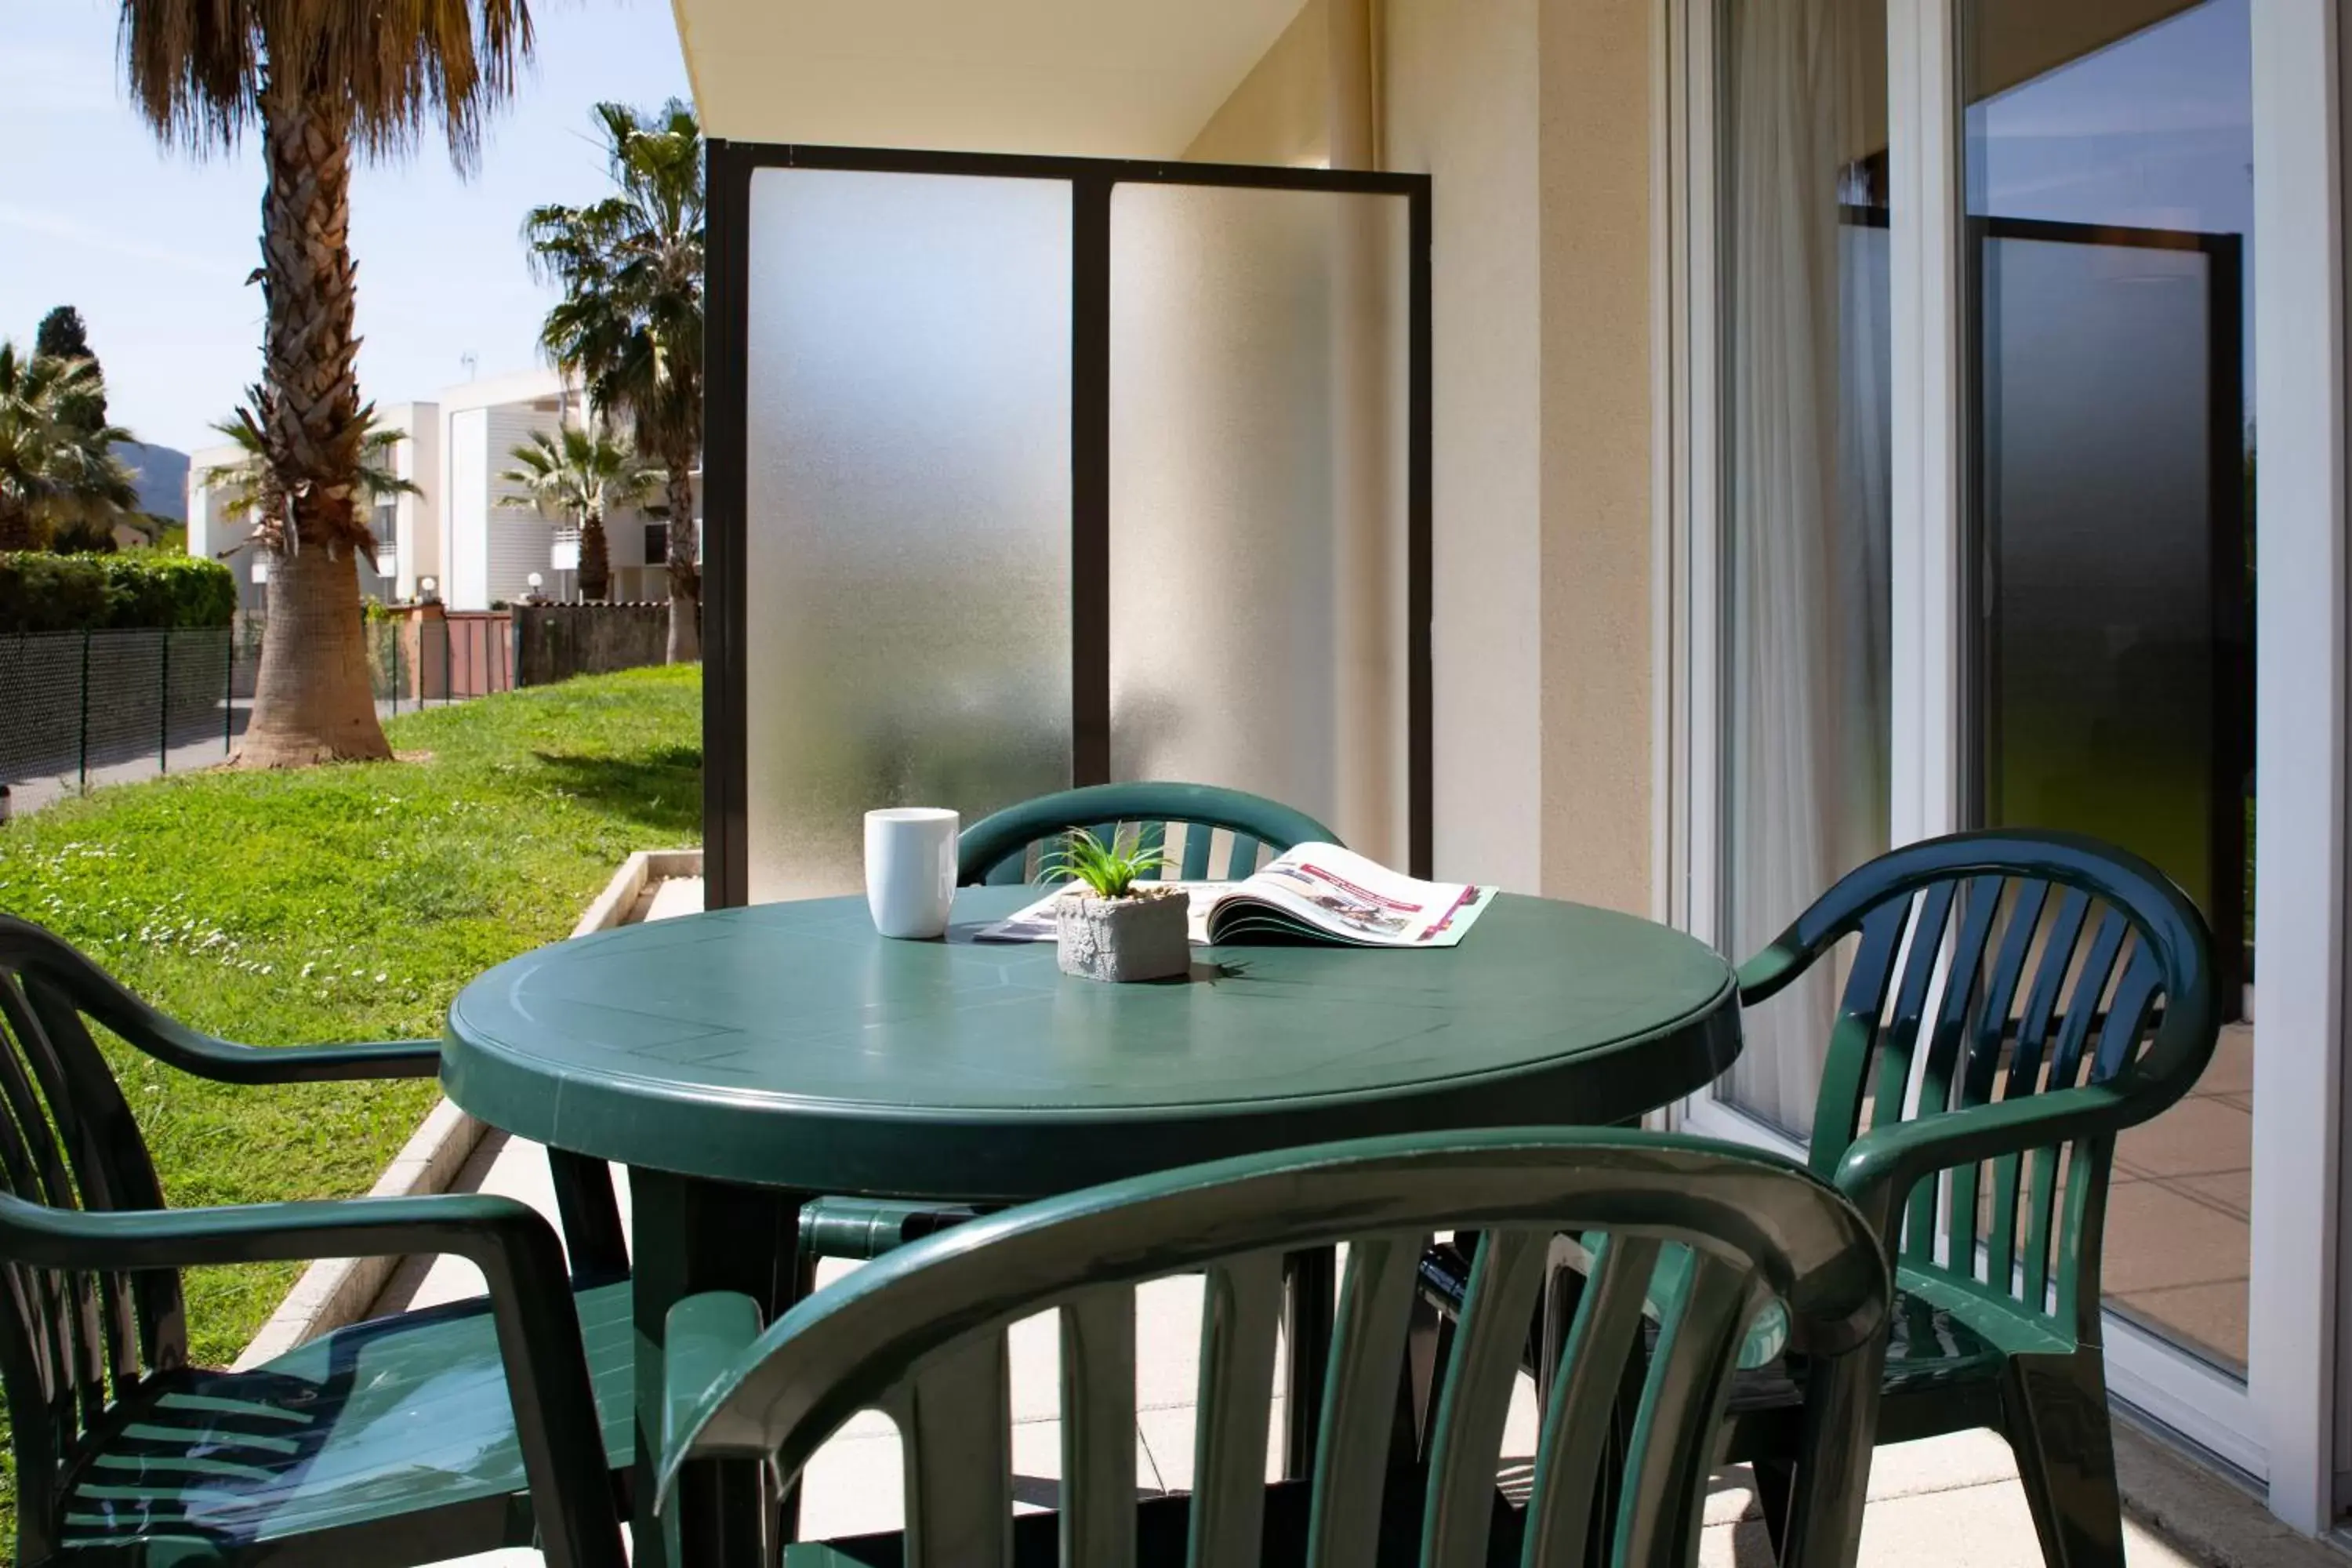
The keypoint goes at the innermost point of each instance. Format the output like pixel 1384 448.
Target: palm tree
pixel 579 477
pixel 250 491
pixel 630 322
pixel 320 80
pixel 57 467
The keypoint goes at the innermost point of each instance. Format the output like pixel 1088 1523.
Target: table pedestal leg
pixel 692 1236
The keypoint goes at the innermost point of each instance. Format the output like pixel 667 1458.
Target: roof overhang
pixel 1130 78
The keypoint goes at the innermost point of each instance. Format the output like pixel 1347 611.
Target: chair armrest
pixel 487 1230
pixel 224 1061
pixel 1881 1167
pixel 65 977
pixel 703 1338
pixel 530 1305
pixel 1763 975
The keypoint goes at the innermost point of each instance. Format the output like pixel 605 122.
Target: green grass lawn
pixel 347 903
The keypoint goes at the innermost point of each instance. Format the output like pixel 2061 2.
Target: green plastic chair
pixel 921 1336
pixel 403 1440
pixel 1948 1113
pixel 1009 846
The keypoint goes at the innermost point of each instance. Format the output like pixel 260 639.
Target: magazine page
pixel 1316 892
pixel 1338 894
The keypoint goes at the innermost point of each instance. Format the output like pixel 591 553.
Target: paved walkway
pixel 29 795
pixel 1949 1500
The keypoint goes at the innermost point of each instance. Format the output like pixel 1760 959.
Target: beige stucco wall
pixel 1277 114
pixel 1533 120
pixel 1598 523
pixel 1532 117
pixel 1461 89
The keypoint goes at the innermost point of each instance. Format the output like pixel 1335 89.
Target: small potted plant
pixel 1113 925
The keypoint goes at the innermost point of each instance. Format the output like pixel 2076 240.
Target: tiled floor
pixel 2177 1209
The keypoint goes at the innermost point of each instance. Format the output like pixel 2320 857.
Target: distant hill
pixel 162 478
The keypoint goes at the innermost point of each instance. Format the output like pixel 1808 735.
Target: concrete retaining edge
pixel 335 1291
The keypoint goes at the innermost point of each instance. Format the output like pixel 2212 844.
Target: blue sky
pixel 154 245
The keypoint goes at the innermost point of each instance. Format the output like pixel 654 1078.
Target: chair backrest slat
pixel 1698 1347
pixel 2059 945
pixel 1367 1368
pixel 1195 868
pixel 1506 1277
pixel 1240 1308
pixel 1242 858
pixel 1854 1035
pixel 1000 850
pixel 2006 992
pixel 1098 1428
pixel 1988 1040
pixel 71 1342
pixel 954 1425
pixel 1899 1044
pixel 1756 1226
pixel 1979 904
pixel 1572 1451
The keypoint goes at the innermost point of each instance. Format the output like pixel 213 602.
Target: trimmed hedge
pixel 44 593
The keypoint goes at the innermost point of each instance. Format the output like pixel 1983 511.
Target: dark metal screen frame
pixel 726 454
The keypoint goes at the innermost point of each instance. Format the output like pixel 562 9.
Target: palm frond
pixel 198 69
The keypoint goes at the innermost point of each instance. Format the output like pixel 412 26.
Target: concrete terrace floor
pixel 1950 1500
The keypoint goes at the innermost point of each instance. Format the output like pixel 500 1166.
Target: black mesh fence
pixel 78 708
pixel 76 703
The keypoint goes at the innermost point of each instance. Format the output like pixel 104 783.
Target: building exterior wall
pixel 465 451
pixel 416 459
pixel 1533 119
pixel 1598 523
pixel 1462 88
pixel 1277 113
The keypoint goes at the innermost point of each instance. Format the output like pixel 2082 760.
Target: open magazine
pixel 1315 892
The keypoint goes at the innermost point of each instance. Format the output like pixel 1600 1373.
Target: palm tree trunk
pixel 595 560
pixel 685 576
pixel 312 701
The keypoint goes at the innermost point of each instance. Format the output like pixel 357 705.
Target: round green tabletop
pixel 790 1046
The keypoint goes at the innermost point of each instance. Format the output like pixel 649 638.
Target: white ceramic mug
pixel 910 866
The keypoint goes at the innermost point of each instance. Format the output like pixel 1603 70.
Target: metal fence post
pixel 164 710
pixel 82 767
pixel 397 628
pixel 229 692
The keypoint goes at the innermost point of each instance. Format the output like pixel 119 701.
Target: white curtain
pixel 1806 499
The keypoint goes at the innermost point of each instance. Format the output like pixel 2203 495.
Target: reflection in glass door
pixel 2107 165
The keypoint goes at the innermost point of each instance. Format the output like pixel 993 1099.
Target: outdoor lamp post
pixel 533 582
pixel 428 590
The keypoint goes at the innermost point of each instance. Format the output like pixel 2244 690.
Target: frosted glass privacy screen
pixel 907 634
pixel 1258 518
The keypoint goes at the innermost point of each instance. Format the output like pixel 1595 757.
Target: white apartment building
pixel 459 532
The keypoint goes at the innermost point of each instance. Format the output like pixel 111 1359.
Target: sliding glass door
pixel 2107 164
pixel 1964 427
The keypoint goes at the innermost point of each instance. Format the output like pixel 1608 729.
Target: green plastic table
pixel 743 1060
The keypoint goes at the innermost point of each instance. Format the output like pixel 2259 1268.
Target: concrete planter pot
pixel 1140 938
